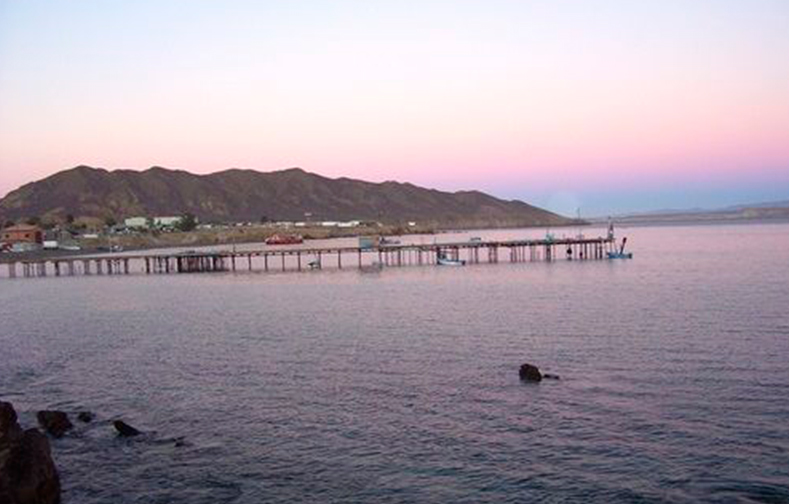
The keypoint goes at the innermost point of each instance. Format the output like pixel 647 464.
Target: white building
pixel 166 222
pixel 136 222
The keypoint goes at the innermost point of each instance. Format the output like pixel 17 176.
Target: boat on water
pixel 445 261
pixel 388 241
pixel 620 254
pixel 475 239
pixel 280 239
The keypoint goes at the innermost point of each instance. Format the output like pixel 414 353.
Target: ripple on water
pixel 403 387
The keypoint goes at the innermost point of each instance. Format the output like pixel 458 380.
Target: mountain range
pixel 237 195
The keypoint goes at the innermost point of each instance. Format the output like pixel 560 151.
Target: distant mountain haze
pixel 247 195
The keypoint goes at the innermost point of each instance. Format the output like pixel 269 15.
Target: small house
pixel 136 223
pixel 166 222
pixel 23 233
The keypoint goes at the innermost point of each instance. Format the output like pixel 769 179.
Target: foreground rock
pixel 54 422
pixel 529 372
pixel 125 429
pixel 85 416
pixel 27 472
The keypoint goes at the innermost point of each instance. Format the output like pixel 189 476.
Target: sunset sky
pixel 607 106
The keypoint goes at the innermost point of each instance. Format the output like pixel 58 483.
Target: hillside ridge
pixel 236 195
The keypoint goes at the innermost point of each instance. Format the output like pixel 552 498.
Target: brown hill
pixel 247 195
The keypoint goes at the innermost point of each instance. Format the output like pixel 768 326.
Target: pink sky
pixel 683 104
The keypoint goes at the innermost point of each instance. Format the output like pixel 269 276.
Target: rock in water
pixel 27 473
pixel 530 373
pixel 549 376
pixel 85 416
pixel 125 429
pixel 54 422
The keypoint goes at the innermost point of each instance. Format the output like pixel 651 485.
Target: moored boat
pixel 620 254
pixel 445 261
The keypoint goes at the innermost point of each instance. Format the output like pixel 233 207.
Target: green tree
pixel 187 223
pixel 110 221
pixel 34 220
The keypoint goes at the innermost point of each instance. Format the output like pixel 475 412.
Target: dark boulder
pixel 549 376
pixel 85 416
pixel 55 423
pixel 530 373
pixel 27 472
pixel 125 429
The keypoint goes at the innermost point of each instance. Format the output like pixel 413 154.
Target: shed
pixel 22 233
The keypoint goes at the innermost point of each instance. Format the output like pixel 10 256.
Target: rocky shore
pixel 27 472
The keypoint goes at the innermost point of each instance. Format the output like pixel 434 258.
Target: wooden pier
pixel 310 258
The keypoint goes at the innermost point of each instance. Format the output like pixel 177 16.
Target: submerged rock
pixel 529 372
pixel 125 429
pixel 85 416
pixel 549 376
pixel 27 472
pixel 55 423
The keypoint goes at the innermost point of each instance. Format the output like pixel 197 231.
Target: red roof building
pixel 22 233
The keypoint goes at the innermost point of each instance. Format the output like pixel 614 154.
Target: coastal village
pixel 32 236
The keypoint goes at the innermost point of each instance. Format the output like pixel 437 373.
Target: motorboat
pixel 445 261
pixel 620 254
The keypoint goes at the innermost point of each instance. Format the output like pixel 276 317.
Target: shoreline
pixel 231 237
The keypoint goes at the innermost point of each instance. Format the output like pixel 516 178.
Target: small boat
pixel 620 254
pixel 445 261
pixel 475 239
pixel 279 239
pixel 388 241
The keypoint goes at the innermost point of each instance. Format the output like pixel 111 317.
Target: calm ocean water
pixel 402 386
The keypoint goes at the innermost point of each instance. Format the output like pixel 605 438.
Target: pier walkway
pixel 284 258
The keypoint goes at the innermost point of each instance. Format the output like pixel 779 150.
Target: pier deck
pixel 279 258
